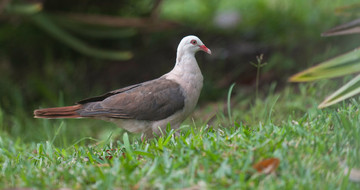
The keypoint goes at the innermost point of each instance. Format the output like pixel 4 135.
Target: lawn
pixel 315 147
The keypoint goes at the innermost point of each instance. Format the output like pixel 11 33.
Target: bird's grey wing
pixel 152 101
pixel 108 94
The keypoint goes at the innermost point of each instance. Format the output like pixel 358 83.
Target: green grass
pixel 310 143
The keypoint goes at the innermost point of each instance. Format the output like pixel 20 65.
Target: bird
pixel 147 107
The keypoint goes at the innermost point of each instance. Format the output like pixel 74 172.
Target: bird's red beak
pixel 204 48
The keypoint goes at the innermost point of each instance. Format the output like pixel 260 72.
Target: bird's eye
pixel 193 42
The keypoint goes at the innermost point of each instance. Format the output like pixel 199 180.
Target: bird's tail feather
pixel 58 112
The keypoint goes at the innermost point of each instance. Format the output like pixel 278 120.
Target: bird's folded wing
pixel 153 100
pixel 108 94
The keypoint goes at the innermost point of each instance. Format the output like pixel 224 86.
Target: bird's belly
pixel 131 125
pixel 193 91
pixel 149 127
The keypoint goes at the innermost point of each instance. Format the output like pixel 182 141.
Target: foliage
pixel 343 65
pixel 346 64
pixel 42 20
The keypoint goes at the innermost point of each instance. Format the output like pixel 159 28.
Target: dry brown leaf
pixel 267 166
pixel 103 165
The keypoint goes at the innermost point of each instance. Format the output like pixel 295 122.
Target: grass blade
pixel 229 102
pixel 127 145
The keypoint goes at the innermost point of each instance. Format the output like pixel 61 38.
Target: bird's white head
pixel 192 44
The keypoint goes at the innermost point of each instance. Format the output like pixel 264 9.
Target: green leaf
pixel 339 66
pixel 352 27
pixel 348 90
pixel 24 9
pixel 348 10
pixel 92 31
pixel 46 24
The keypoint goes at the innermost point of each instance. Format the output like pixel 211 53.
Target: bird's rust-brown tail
pixel 58 112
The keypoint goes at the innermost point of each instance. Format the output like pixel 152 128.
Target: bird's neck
pixel 187 73
pixel 186 66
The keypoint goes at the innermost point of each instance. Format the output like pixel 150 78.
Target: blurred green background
pixel 54 53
